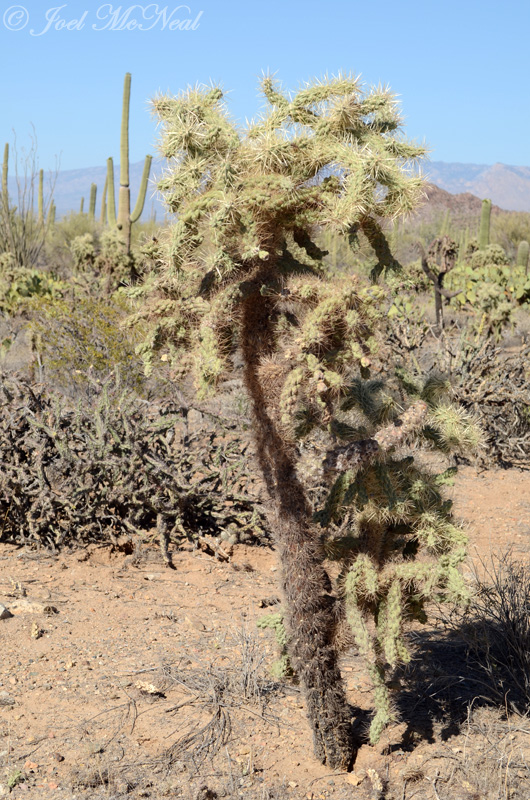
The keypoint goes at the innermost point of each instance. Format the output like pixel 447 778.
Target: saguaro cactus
pixel 125 219
pixel 92 202
pixel 522 255
pixel 485 219
pixel 103 211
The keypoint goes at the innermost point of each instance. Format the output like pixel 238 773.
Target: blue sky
pixel 461 69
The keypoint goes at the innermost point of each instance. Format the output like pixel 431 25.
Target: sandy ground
pixel 123 678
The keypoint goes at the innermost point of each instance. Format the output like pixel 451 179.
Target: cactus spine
pixel 92 203
pixel 522 255
pixel 125 219
pixel 485 219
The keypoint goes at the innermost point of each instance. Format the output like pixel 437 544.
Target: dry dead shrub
pixel 496 627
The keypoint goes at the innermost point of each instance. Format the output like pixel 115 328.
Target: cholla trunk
pixel 309 606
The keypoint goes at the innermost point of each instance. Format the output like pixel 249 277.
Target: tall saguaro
pixel 125 219
pixel 485 221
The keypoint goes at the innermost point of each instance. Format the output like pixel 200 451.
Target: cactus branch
pixel 140 200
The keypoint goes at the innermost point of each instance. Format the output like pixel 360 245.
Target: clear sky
pixel 460 67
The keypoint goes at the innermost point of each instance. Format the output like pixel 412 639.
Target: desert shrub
pixel 19 286
pixel 112 466
pixel 486 380
pixel 79 334
pixel 490 287
pixel 508 229
pixel 83 250
pixel 496 629
pixel 116 266
pixel 495 387
pixel 73 225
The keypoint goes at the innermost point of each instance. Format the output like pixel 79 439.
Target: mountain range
pixel 508 187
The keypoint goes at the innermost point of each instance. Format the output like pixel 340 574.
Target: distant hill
pixel 71 185
pixel 464 207
pixel 507 187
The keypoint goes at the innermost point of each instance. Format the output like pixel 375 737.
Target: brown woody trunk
pixel 309 606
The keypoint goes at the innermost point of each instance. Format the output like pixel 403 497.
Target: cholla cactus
pixel 385 518
pixel 240 269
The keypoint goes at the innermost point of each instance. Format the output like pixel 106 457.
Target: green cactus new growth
pixel 522 256
pixel 281 668
pixel 92 202
pixel 125 218
pixel 485 220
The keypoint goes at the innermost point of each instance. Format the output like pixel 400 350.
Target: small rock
pixel 5 613
pixel 25 606
pixel 6 699
pixel 57 757
pixel 354 779
pixel 36 631
pixel 195 624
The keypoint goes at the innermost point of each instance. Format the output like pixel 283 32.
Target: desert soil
pixel 122 678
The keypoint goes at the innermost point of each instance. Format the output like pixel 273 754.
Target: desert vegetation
pixel 298 361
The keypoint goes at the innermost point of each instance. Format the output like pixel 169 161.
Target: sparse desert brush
pixel 20 286
pixel 75 335
pixel 110 466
